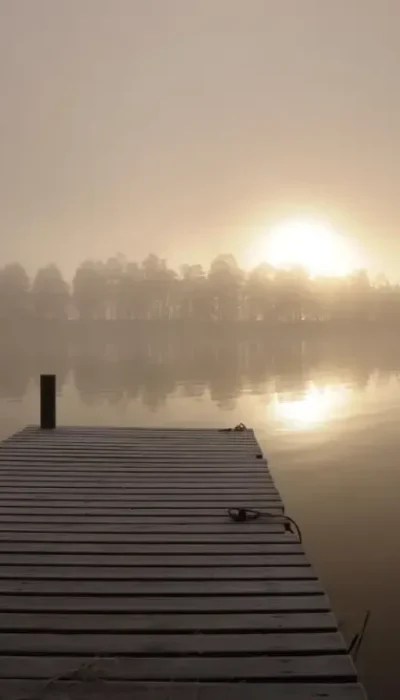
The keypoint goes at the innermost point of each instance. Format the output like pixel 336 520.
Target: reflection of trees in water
pixel 151 367
pixel 15 375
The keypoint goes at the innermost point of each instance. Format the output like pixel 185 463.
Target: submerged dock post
pixel 47 401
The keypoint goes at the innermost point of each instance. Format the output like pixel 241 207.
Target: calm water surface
pixel 328 418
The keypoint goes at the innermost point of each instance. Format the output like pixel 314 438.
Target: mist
pixel 184 128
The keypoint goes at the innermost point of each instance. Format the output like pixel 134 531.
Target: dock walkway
pixel 122 575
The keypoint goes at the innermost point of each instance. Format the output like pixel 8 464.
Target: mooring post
pixel 47 401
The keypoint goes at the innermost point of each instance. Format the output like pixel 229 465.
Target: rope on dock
pixel 237 429
pixel 241 515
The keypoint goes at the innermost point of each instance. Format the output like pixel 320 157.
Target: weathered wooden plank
pixel 169 604
pixel 89 523
pixel 119 690
pixel 148 473
pixel 121 513
pixel 142 429
pixel 145 453
pixel 148 560
pixel 223 457
pixel 147 588
pixel 154 573
pixel 146 480
pixel 331 667
pixel 203 440
pixel 101 435
pixel 136 502
pixel 75 438
pixel 178 526
pixel 201 447
pixel 164 432
pixel 111 549
pixel 14 541
pixel 143 448
pixel 61 473
pixel 127 495
pixel 132 481
pixel 172 645
pixel 133 448
pixel 63 483
pixel 112 467
pixel 164 622
pixel 134 520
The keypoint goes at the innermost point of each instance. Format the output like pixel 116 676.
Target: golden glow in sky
pixel 311 244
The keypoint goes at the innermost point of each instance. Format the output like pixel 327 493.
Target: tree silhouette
pixel 50 294
pixel 225 280
pixel 90 291
pixel 14 292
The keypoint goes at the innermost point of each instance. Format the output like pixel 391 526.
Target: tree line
pixel 119 289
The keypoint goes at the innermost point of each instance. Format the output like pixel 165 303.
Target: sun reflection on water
pixel 317 406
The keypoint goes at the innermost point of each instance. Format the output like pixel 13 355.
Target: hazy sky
pixel 184 126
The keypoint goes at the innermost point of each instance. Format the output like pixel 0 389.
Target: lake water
pixel 327 415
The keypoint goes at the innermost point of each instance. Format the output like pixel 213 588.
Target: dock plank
pixel 137 503
pixel 327 667
pixel 149 560
pixel 162 587
pixel 117 690
pixel 184 622
pixel 299 643
pixel 254 542
pixel 163 548
pixel 179 526
pixel 142 573
pixel 143 604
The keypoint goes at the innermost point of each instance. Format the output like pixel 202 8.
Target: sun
pixel 313 245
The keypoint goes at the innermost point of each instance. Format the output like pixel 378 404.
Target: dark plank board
pixel 119 514
pixel 156 515
pixel 263 573
pixel 133 483
pixel 172 645
pixel 15 541
pixel 134 486
pixel 201 622
pixel 126 497
pixel 117 690
pixel 109 505
pixel 146 471
pixel 150 479
pixel 173 605
pixel 162 587
pixel 149 560
pixel 179 526
pixel 331 667
pixel 112 548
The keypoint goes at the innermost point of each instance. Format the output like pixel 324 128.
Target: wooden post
pixel 47 401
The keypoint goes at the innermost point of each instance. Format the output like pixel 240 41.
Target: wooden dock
pixel 122 575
